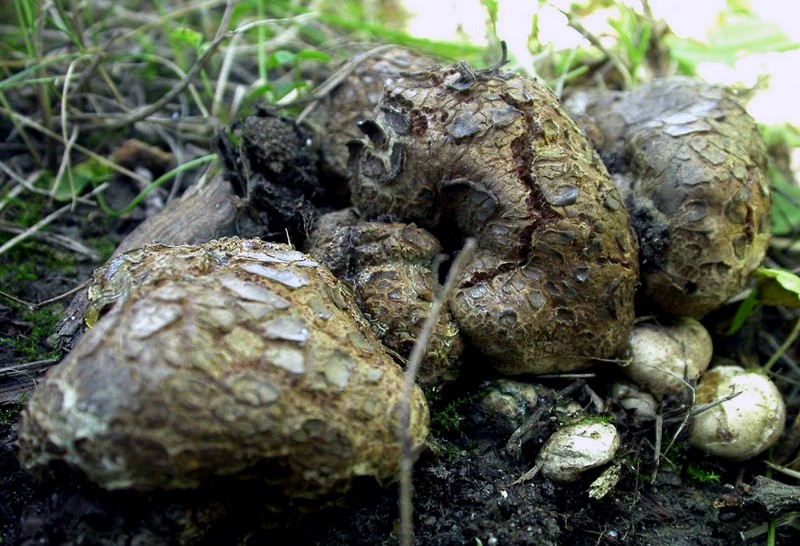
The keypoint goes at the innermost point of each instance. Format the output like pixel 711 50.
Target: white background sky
pixel 458 19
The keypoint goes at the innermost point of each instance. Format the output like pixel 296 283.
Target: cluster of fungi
pixel 237 355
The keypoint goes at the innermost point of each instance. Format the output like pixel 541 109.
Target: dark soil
pixel 464 494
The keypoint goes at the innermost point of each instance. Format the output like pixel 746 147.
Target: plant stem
pixel 785 347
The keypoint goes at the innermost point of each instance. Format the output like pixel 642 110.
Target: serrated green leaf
pixel 729 42
pixel 750 35
pixel 778 287
pixel 187 36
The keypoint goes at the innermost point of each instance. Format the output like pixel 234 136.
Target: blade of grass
pixel 157 183
pixel 193 71
pixel 790 339
pixel 66 163
pixel 20 127
pixel 82 149
pixel 44 222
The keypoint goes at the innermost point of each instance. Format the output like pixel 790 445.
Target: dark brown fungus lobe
pixel 232 359
pixel 390 266
pixel 550 287
pixel 691 165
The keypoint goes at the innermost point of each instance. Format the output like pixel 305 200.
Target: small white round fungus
pixel 574 449
pixel 642 404
pixel 664 358
pixel 743 426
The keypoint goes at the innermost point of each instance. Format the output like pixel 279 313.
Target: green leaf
pixel 778 287
pixel 744 312
pixel 729 42
pixel 187 36
pixel 280 58
pixel 780 135
pixel 785 204
pixel 690 53
pixel 750 35
pixel 311 55
pixel 491 7
pixel 85 174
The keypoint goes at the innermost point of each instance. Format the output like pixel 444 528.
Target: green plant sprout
pixel 10 412
pixel 449 418
pixel 700 476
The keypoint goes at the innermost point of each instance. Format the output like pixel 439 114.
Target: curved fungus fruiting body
pixel 691 165
pixel 353 99
pixel 390 268
pixel 495 156
pixel 233 358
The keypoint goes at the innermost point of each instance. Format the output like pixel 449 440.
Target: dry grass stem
pixel 787 343
pixel 330 84
pixel 56 240
pixel 412 369
pixel 43 222
pixel 82 149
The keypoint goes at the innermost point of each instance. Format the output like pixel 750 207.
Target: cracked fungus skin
pixel 353 99
pixel 233 358
pixel 691 165
pixel 390 268
pixel 496 157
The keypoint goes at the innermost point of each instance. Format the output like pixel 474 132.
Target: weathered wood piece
pixel 200 215
pixel 763 500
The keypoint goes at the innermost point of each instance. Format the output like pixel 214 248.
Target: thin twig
pixel 54 239
pixel 19 125
pixel 21 183
pixel 615 59
pixel 29 305
pixel 224 75
pixel 66 294
pixel 82 149
pixel 414 361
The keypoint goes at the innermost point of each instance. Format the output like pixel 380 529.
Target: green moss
pixel 103 246
pixel 10 413
pixel 23 272
pixel 448 418
pixel 588 419
pixel 701 476
pixel 26 212
pixel 29 260
pixel 40 323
